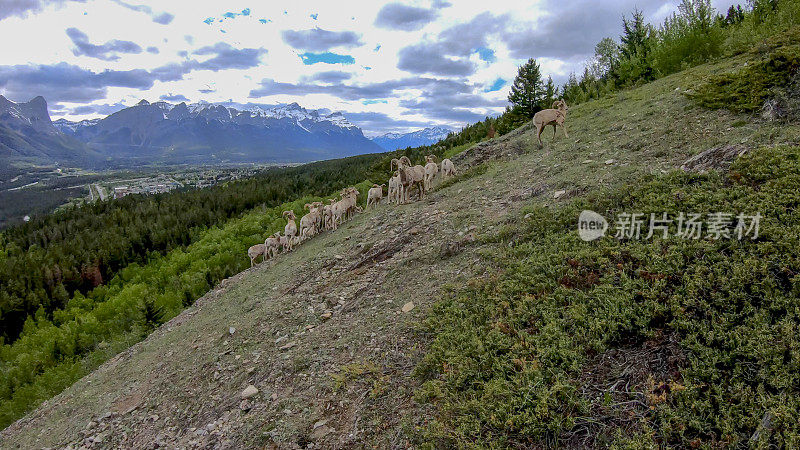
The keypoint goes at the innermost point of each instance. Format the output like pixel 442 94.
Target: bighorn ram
pixel 254 252
pixel 431 169
pixel 554 116
pixel 290 230
pixel 375 194
pixel 448 169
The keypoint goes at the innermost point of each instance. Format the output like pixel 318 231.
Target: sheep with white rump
pixel 271 245
pixel 393 192
pixel 554 116
pixel 254 252
pixel 431 169
pixel 374 195
pixel 448 169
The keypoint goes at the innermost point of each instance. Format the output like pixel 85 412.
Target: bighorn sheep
pixel 417 175
pixel 448 169
pixel 342 209
pixel 254 252
pixel 286 243
pixel 308 223
pixel 393 192
pixel 375 194
pixel 404 180
pixel 409 176
pixel 554 116
pixel 271 245
pixel 350 200
pixel 290 230
pixel 431 169
pixel 327 214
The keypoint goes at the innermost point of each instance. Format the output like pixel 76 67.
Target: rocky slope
pixel 328 336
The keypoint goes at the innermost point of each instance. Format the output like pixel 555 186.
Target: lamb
pixel 286 243
pixel 319 216
pixel 327 214
pixel 290 230
pixel 254 252
pixel 375 194
pixel 393 192
pixel 271 245
pixel 431 169
pixel 448 169
pixel 554 116
pixel 405 179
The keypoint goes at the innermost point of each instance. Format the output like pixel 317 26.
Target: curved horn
pixel 556 103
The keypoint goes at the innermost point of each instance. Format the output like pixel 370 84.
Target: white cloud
pixel 264 28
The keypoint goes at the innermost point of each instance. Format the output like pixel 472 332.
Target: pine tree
pixel 636 36
pixel 528 90
pixel 550 93
pixel 152 315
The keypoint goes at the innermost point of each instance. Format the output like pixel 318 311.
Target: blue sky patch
pixel 208 20
pixel 372 102
pixel 496 86
pixel 229 15
pixel 314 16
pixel 262 20
pixel 377 47
pixel 309 58
pixel 486 54
pixel 246 12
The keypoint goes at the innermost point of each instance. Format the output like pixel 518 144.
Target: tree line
pixel 644 52
pixel 45 262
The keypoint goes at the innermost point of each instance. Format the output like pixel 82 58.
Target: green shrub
pixel 513 354
pixel 747 89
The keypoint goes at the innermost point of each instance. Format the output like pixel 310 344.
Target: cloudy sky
pixel 392 66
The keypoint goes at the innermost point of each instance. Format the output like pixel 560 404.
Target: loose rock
pixel 249 391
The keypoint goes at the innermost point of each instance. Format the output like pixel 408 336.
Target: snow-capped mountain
pixel 207 132
pixel 426 136
pixel 28 134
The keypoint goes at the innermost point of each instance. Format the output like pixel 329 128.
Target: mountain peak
pixel 143 102
pixel 425 136
pixel 29 114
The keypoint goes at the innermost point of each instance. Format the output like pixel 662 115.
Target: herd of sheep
pixel 328 217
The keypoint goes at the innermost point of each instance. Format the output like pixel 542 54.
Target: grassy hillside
pixel 521 334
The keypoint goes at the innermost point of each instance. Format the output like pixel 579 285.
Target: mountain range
pixel 160 132
pixel 427 136
pixel 27 134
